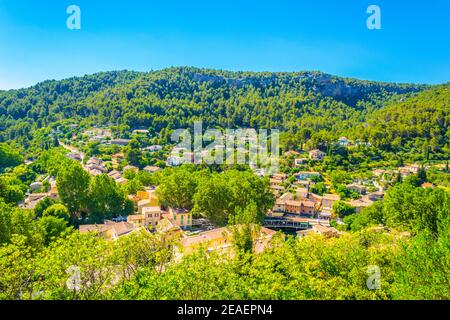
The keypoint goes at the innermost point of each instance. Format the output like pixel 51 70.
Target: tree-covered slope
pixel 175 97
pixel 420 123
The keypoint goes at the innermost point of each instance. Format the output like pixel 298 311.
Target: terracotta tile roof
pixel 166 225
pixel 151 168
pixel 206 236
pixel 135 217
pixel 324 230
pixel 122 228
pixel 329 196
pixel 224 233
pixel 144 202
pixel 151 209
pixel 293 203
pixel 308 203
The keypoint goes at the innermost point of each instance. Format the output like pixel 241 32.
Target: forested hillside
pixel 175 97
pixel 418 123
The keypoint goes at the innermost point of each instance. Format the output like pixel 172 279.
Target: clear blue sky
pixel 331 36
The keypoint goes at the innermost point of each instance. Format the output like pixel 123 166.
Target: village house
pixel 74 156
pixel 152 215
pixel 98 134
pixel 212 240
pixel 325 231
pixel 109 230
pixel 34 186
pixel 275 182
pixel 144 194
pixel 302 203
pixel 94 162
pixel 328 200
pixel 316 155
pixel 169 228
pixel 117 177
pixel 304 207
pixel 279 176
pixel 151 201
pixel 95 166
pixel 357 188
pixel 315 197
pixel 221 240
pixel 360 204
pixel 302 183
pixel 408 170
pixel 95 172
pixel 130 168
pixel 142 204
pixel 140 131
pixel 146 198
pixel 151 169
pixel 287 196
pixel 302 193
pixel 137 220
pixel 308 207
pixel 32 200
pixel 121 181
pixel 153 148
pixel 280 206
pixel 149 216
pixel 120 142
pixel 181 217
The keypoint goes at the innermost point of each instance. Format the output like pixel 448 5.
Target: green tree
pixel 53 227
pixel 5 221
pixel 177 188
pixel 73 188
pixel 343 209
pixel 42 205
pixel 57 210
pixel 213 199
pixel 11 193
pixel 133 153
pixel 9 157
pixel 318 188
pixel 107 200
pixel 17 265
pixel 422 175
pixel 414 208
